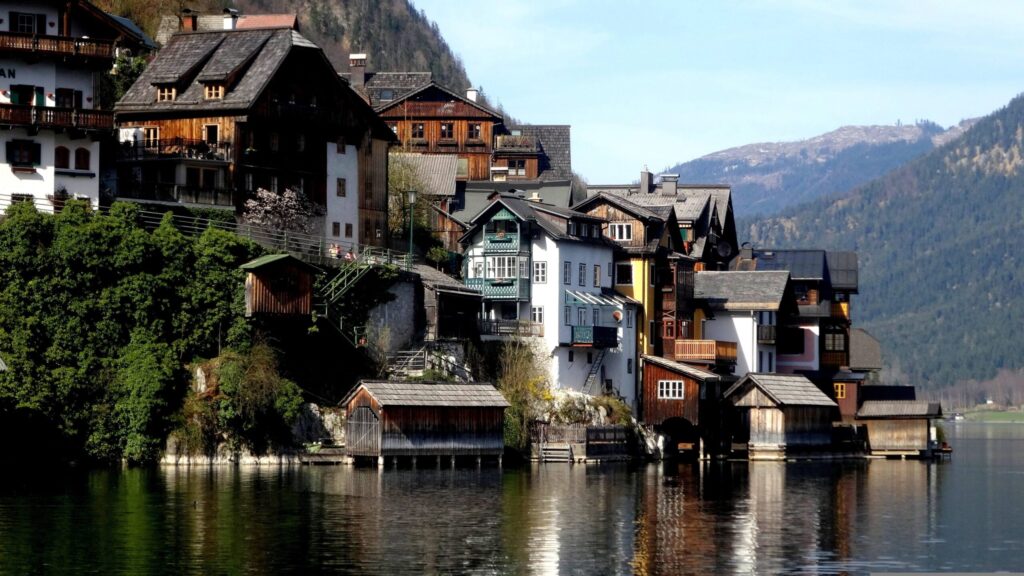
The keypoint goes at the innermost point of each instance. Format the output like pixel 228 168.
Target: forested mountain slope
pixel 770 176
pixel 941 281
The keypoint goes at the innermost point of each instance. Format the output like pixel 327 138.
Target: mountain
pixel 769 177
pixel 394 35
pixel 941 280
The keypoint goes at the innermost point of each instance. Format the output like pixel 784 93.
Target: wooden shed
pixel 393 419
pixel 279 285
pixel 679 401
pixel 900 427
pixel 776 413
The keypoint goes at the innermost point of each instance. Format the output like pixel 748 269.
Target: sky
pixel 658 83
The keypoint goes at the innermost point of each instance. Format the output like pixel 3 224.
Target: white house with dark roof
pixel 51 56
pixel 545 275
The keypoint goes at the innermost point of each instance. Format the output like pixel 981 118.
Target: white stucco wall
pixel 739 327
pixel 30 8
pixel 46 74
pixel 343 210
pixel 45 180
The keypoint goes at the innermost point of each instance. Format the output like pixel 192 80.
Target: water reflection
pixel 719 517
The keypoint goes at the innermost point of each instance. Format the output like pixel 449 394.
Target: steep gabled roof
pixel 375 84
pixel 430 394
pixel 741 290
pixel 474 197
pixel 435 86
pixel 865 351
pixel 533 211
pixel 624 204
pixel 783 389
pixel 555 146
pixel 435 173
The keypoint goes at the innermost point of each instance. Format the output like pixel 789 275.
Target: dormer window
pixel 214 91
pixel 387 95
pixel 166 93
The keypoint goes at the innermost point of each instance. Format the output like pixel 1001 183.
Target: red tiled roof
pixel 269 21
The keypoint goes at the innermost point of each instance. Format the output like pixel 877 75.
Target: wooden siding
pixel 373 192
pixel 279 290
pixel 902 435
pixel 788 427
pixel 656 411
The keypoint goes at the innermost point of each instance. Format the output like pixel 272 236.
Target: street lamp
pixel 412 201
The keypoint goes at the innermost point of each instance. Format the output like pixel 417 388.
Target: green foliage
pixel 96 317
pixel 940 269
pixel 523 383
pixel 114 83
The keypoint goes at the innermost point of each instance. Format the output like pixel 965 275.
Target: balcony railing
pixel 766 334
pixel 501 288
pixel 501 242
pixel 57 45
pixel 449 145
pixel 520 143
pixel 51 117
pixel 711 351
pixel 841 310
pixel 162 192
pixel 834 358
pixel 596 336
pixel 511 328
pixel 177 148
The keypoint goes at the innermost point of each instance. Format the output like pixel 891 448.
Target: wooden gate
pixel 362 432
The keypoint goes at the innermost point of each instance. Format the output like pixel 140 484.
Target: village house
pixel 218 114
pixel 681 403
pixel 545 276
pixel 52 56
pixel 900 427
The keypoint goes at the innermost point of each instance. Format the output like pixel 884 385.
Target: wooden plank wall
pixel 656 411
pixel 279 290
pixel 897 434
pixel 766 426
pixel 808 425
pixel 433 430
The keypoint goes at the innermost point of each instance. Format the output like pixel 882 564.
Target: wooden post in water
pixel 380 462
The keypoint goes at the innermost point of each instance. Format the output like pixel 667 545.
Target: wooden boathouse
pixel 779 413
pixel 900 427
pixel 422 419
pixel 278 285
pixel 674 396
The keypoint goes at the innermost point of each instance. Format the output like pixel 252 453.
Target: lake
pixel 853 517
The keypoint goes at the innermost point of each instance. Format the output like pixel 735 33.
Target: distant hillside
pixel 769 177
pixel 394 35
pixel 939 238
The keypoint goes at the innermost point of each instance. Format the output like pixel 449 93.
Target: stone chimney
pixel 188 21
pixel 645 181
pixel 357 70
pixel 669 184
pixel 472 94
pixel 230 19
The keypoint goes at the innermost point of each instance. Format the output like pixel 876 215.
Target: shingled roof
pixel 435 173
pixel 555 145
pixel 741 290
pixel 171 25
pixel 801 264
pixel 680 368
pixel 783 389
pixel 476 195
pixel 546 216
pixel 376 85
pixel 431 394
pixel 899 409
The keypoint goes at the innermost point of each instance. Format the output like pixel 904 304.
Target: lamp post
pixel 412 201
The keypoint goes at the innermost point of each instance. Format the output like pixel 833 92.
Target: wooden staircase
pixel 556 452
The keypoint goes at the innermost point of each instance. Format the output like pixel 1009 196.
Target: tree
pixel 524 385
pixel 289 211
pixel 402 178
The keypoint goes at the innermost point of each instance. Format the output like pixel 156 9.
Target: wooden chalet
pixel 279 285
pixel 900 427
pixel 219 114
pixel 775 414
pixel 410 419
pixel 681 402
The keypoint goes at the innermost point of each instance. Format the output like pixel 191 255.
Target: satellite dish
pixel 724 249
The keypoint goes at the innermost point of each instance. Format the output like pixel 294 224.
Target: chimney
pixel 645 181
pixel 535 196
pixel 230 19
pixel 746 251
pixel 472 94
pixel 357 70
pixel 188 20
pixel 669 184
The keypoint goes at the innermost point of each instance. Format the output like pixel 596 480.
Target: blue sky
pixel 656 83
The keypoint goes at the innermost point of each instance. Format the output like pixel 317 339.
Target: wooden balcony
pixel 841 310
pixel 709 351
pixel 765 334
pixel 511 328
pixel 56 45
pixel 501 288
pixel 596 336
pixel 56 118
pixel 516 144
pixel 834 358
pixel 177 148
pixel 162 192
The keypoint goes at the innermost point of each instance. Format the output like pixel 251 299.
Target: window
pixel 624 274
pixel 340 190
pixel 28 23
pixel 502 267
pixel 581 316
pixel 597 316
pixel 567 273
pixel 68 98
pixel 275 142
pixel 597 275
pixel 621 231
pixel 629 318
pixel 387 95
pixel 249 181
pixel 629 365
pixel 524 267
pixel 211 133
pixel 671 390
pixel 517 167
pixel 540 272
pixel 273 184
pixel 335 229
pixel 417 130
pixel 348 230
pixel 668 329
pixel 82 159
pixel 462 168
pixel 583 274
pixel 590 357
pixel 61 157
pixel 771 361
pixel 835 342
pixel 447 130
pixel 151 137
pixel 339 144
pixel 214 91
pixel 24 153
pixel 840 390
pixel 166 93
pixel 570 356
pixel 474 131
pixel 567 316
pixel 477 270
pixel 537 314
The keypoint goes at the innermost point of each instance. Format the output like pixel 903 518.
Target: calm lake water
pixel 732 517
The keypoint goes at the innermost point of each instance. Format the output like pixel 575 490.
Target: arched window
pixel 81 159
pixel 61 157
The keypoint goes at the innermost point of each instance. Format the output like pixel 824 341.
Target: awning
pixel 605 298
